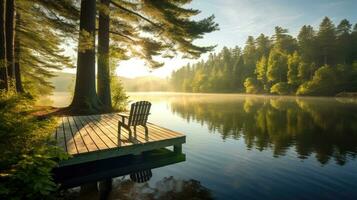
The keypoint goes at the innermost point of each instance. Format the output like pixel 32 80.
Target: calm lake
pixel 253 147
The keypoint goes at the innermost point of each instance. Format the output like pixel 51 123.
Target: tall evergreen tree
pixel 10 39
pixel 293 69
pixel 354 44
pixel 284 42
pixel 307 44
pixel 3 64
pixel 263 45
pixel 249 56
pixel 344 42
pixel 85 98
pixel 261 72
pixel 147 29
pixel 103 77
pixel 277 66
pixel 17 69
pixel 326 42
pixel 40 53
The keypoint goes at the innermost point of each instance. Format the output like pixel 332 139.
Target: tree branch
pixel 122 35
pixel 136 14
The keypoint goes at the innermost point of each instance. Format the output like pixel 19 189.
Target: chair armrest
pixel 123 116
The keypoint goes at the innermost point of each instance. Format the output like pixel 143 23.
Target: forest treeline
pixel 316 62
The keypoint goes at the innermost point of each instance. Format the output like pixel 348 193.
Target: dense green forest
pixel 317 62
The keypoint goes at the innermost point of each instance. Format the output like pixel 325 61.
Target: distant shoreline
pixel 241 94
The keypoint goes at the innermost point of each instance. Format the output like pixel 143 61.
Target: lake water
pixel 253 147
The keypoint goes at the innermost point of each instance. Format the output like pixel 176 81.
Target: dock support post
pixel 105 187
pixel 178 148
pixel 88 190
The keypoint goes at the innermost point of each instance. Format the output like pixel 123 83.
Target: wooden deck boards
pixel 95 137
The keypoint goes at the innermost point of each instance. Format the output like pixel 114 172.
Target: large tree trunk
pixel 3 66
pixel 10 39
pixel 18 80
pixel 104 93
pixel 85 99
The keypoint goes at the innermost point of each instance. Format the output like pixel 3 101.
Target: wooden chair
pixel 138 116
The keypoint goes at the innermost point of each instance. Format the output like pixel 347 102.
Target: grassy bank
pixel 27 153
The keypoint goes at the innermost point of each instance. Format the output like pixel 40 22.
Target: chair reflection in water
pixel 138 116
pixel 141 176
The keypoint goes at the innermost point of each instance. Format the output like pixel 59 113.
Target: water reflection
pixel 324 127
pixel 167 188
pixel 131 179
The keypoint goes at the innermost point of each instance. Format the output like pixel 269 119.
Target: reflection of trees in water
pixel 166 189
pixel 325 127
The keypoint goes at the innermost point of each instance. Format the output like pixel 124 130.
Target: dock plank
pixel 96 139
pixel 97 122
pixel 102 135
pixel 87 139
pixel 81 146
pixel 68 135
pixel 114 126
pixel 112 130
pixel 61 142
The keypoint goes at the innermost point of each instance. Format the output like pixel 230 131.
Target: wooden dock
pixel 95 137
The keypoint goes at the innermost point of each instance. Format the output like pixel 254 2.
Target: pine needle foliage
pixel 42 28
pixel 149 29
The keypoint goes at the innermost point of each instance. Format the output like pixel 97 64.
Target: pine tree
pixel 354 44
pixel 261 72
pixel 103 77
pixel 326 42
pixel 40 53
pixel 18 79
pixel 4 85
pixel 147 29
pixel 85 97
pixel 294 61
pixel 10 40
pixel 344 42
pixel 249 57
pixel 284 42
pixel 307 44
pixel 263 45
pixel 277 66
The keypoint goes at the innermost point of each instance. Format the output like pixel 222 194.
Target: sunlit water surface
pixel 254 147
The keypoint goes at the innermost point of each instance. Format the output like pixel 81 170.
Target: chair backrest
pixel 139 113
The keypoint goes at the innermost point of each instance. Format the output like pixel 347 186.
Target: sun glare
pixel 135 68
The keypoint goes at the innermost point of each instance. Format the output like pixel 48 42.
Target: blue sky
pixel 240 18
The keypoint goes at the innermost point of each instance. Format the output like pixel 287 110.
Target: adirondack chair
pixel 138 116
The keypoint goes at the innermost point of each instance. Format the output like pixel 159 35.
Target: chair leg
pixel 146 129
pixel 146 133
pixel 119 134
pixel 130 135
